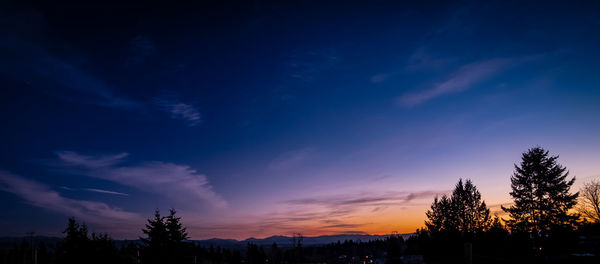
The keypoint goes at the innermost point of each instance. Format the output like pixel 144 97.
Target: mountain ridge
pixel 283 241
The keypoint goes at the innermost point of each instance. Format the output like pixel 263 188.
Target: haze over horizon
pixel 262 119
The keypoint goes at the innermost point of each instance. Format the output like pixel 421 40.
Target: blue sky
pixel 262 119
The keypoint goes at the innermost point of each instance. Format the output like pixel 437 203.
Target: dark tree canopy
pixel 464 211
pixel 77 246
pixel 156 232
pixel 175 230
pixel 540 191
pixel 164 241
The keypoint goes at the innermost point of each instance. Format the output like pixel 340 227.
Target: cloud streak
pixel 461 80
pixel 105 191
pixel 178 182
pixel 40 68
pixel 34 65
pixel 180 111
pixel 290 159
pixel 40 195
pixel 365 200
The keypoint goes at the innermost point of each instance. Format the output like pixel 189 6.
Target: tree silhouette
pixel 165 235
pixel 78 247
pixel 156 232
pixel 441 215
pixel 73 248
pixel 464 211
pixel 589 206
pixel 175 231
pixel 540 191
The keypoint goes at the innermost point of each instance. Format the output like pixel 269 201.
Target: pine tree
pixel 155 249
pixel 472 213
pixel 175 230
pixel 540 191
pixel 440 216
pixel 165 235
pixel 156 231
pixel 74 248
pixel 464 211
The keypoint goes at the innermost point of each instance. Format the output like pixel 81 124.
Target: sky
pixel 256 119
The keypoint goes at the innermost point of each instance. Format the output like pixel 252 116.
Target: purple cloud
pixel 179 182
pixel 180 110
pixel 91 162
pixel 365 200
pixel 462 80
pixel 105 191
pixel 42 196
pixel 290 159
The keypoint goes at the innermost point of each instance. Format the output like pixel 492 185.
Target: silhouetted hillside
pixel 282 241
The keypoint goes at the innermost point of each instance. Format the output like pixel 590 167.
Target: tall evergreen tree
pixel 165 235
pixel 156 240
pixel 175 231
pixel 472 213
pixel 464 211
pixel 440 217
pixel 156 231
pixel 540 191
pixel 74 248
pixel 78 247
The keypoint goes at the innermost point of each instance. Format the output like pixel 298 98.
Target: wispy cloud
pixel 105 191
pixel 91 162
pixel 421 59
pixel 42 196
pixel 329 209
pixel 93 190
pixel 179 110
pixel 290 159
pixel 365 200
pixel 69 81
pixel 37 66
pixel 178 182
pixel 461 80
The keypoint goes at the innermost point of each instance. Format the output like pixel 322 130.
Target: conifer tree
pixel 156 231
pixel 165 235
pixel 155 248
pixel 440 217
pixel 472 213
pixel 540 191
pixel 464 211
pixel 175 230
pixel 73 249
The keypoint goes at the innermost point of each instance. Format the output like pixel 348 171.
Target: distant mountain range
pixel 287 241
pixel 282 241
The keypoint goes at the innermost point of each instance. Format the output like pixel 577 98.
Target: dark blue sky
pixel 264 118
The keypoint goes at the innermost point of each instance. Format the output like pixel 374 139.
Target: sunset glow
pixel 259 120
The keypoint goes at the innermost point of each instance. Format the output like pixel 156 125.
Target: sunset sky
pixel 265 119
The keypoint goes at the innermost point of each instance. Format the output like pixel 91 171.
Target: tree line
pixel 546 223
